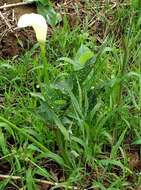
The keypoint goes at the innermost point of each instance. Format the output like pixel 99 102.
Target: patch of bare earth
pixel 10 38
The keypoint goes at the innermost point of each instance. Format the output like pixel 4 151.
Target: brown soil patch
pixel 20 9
pixel 13 42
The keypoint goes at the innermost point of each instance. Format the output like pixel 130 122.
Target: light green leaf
pixel 49 13
pixel 82 56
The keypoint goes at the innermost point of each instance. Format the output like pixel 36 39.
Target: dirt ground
pixel 9 38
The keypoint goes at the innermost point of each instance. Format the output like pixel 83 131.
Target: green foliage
pixel 49 13
pixel 136 4
pixel 45 8
pixel 82 122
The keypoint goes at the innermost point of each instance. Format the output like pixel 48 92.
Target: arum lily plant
pixel 39 25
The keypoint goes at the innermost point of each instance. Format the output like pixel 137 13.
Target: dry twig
pixel 5 20
pixel 36 180
pixel 14 5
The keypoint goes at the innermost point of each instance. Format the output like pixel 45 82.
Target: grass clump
pixel 82 128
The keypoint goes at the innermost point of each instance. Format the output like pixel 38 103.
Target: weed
pixel 79 128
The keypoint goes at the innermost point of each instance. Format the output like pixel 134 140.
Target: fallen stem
pixel 14 5
pixel 45 182
pixel 45 63
pixel 6 22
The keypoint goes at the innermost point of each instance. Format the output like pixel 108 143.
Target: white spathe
pixel 38 22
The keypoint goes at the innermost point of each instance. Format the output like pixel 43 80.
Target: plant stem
pixel 123 70
pixel 44 61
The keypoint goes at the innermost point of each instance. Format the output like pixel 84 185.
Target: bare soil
pixel 13 42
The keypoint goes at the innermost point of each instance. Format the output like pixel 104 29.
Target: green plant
pixel 82 127
pixel 44 7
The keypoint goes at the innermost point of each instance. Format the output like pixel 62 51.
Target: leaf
pixel 117 145
pixel 37 95
pixel 44 8
pixel 61 127
pixel 66 59
pixel 3 145
pixel 75 103
pixel 55 157
pixel 137 142
pixel 43 172
pixel 29 180
pixel 49 13
pixel 98 185
pixel 63 85
pixel 116 163
pixel 9 129
pixel 135 4
pixel 44 2
pixel 7 66
pixel 82 56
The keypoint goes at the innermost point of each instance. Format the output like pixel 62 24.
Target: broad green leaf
pixel 63 85
pixel 45 8
pixel 49 13
pixel 82 56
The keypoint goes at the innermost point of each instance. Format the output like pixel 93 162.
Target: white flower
pixel 38 22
